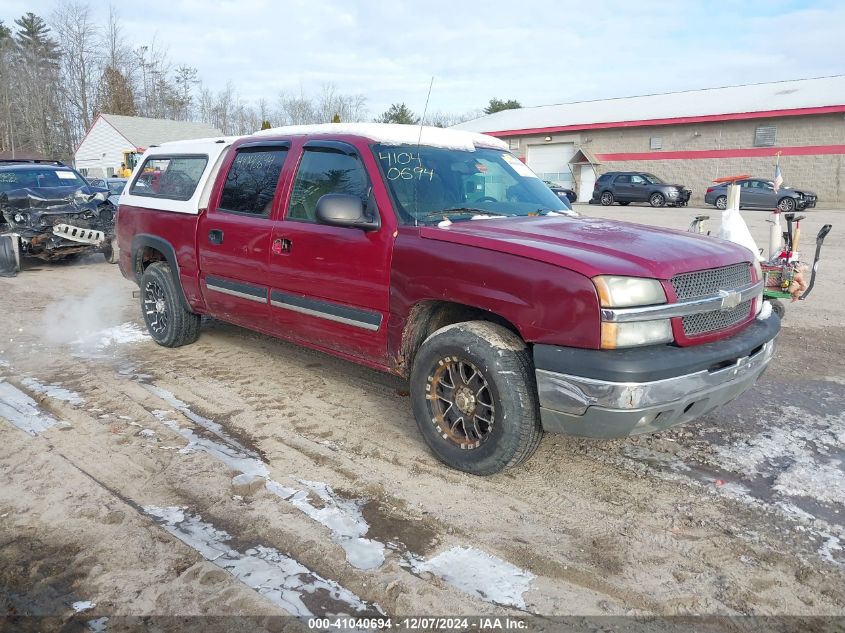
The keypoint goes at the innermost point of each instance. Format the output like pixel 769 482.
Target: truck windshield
pixel 428 184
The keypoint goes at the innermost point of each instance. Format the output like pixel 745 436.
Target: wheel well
pixel 145 256
pixel 427 317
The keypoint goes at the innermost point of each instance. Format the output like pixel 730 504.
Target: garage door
pixel 551 162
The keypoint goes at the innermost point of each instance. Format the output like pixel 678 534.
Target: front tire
pixel 722 203
pixel 787 205
pixel 657 200
pixel 168 320
pixel 111 251
pixel 606 199
pixel 474 397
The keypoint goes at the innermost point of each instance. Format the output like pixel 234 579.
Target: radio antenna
pixel 425 111
pixel 419 139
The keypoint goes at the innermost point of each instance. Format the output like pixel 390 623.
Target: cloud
pixel 539 52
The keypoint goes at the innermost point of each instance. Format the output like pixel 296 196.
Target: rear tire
pixel 10 257
pixel 168 320
pixel 606 199
pixel 474 397
pixel 657 200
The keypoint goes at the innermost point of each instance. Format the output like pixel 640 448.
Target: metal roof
pixel 782 98
pixel 144 132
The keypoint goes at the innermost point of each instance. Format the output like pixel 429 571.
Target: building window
pixel 765 136
pixel 513 143
pixel 655 142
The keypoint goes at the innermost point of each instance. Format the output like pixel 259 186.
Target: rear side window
pixel 251 182
pixel 321 172
pixel 622 180
pixel 171 177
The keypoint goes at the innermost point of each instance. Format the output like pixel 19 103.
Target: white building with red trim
pixel 111 136
pixel 688 137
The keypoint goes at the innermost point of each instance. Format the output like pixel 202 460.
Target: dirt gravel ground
pixel 243 475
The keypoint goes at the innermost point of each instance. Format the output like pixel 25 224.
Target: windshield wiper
pixel 462 211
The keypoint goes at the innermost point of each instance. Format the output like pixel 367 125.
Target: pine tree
pixel 497 105
pixel 398 113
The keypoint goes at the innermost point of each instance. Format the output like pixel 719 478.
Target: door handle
pixel 215 236
pixel 281 246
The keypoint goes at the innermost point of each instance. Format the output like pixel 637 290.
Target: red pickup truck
pixel 437 255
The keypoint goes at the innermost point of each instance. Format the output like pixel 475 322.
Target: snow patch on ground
pixel 800 457
pixel 232 454
pixel 22 411
pixel 342 516
pixel 477 573
pixel 123 334
pixel 55 391
pixel 345 520
pixel 822 481
pixel 279 578
pixel 98 625
pixel 83 605
pixel 196 418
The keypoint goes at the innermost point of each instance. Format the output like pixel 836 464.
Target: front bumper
pixel 807 202
pixel 606 394
pixel 682 199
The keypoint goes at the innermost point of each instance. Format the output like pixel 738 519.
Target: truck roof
pixel 394 134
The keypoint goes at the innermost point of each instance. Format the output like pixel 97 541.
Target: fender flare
pixel 144 240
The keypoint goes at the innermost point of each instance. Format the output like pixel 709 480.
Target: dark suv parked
pixel 626 187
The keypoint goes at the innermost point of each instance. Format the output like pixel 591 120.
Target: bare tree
pixel 81 62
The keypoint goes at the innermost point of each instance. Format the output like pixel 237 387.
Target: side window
pixel 173 177
pixel 622 180
pixel 321 172
pixel 637 180
pixel 251 182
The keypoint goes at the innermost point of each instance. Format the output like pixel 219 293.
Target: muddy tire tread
pixel 184 326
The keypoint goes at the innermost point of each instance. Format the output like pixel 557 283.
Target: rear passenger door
pixel 622 188
pixel 330 284
pixel 234 235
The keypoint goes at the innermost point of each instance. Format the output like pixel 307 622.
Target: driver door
pixel 329 285
pixel 639 189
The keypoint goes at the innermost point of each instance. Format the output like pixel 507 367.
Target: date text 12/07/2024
pixel 421 623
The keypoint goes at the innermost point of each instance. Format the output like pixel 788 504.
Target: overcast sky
pixel 537 52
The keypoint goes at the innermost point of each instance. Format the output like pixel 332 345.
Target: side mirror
pixel 340 209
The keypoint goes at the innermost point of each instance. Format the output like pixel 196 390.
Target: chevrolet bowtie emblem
pixel 730 299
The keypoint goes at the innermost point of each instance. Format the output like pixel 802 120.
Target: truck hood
pixel 593 246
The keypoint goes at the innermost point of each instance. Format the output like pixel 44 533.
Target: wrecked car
pixel 49 212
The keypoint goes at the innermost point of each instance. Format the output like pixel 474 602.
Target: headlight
pixel 616 335
pixel 673 193
pixel 627 292
pixel 21 218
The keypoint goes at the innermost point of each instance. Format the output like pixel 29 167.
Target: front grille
pixel 705 322
pixel 704 283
